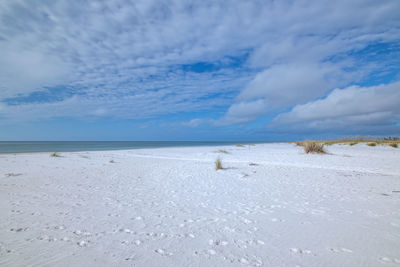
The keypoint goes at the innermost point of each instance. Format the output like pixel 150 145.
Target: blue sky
pixel 199 70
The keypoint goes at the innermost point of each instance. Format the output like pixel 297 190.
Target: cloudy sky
pixel 198 70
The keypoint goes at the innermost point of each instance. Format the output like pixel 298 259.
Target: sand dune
pixel 272 205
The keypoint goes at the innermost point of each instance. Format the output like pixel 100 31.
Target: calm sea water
pixel 26 146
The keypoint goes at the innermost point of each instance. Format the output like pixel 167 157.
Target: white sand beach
pixel 271 205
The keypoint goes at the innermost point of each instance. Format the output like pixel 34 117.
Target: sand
pixel 272 205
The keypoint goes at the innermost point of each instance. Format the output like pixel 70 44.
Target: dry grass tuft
pixel 300 143
pixel 240 145
pixel 313 147
pixel 55 155
pixel 12 174
pixel 391 141
pixel 218 164
pixel 223 151
pixel 112 161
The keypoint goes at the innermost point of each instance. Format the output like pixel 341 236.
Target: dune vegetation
pixel 218 164
pixel 390 141
pixel 312 147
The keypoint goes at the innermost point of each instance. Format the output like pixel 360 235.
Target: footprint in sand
pixel 125 230
pixel 130 258
pixel 84 233
pixel 190 235
pixel 338 250
pixel 255 242
pixel 82 243
pixel 212 242
pixel 389 260
pixel 17 230
pixel 162 252
pixel 253 262
pixel 300 251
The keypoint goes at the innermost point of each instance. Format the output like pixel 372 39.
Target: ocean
pixel 65 146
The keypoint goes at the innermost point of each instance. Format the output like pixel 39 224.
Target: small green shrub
pixel 223 151
pixel 393 145
pixel 371 144
pixel 55 155
pixel 218 164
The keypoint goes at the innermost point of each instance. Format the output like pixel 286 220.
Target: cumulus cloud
pixel 312 56
pixel 278 87
pixel 354 106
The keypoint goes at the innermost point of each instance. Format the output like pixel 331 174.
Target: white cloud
pixel 243 112
pixel 123 58
pixel 349 107
pixel 313 54
pixel 26 71
pixel 197 122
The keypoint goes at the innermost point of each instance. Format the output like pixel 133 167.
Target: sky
pixel 199 70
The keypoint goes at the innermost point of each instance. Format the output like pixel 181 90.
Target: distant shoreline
pixel 18 147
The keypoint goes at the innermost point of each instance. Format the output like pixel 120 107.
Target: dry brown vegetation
pixel 313 147
pixel 13 174
pixel 393 142
pixel 300 143
pixel 218 164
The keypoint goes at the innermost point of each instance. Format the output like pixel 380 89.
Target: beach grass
pixel 55 155
pixel 300 143
pixel 354 141
pixel 218 164
pixel 12 174
pixel 314 147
